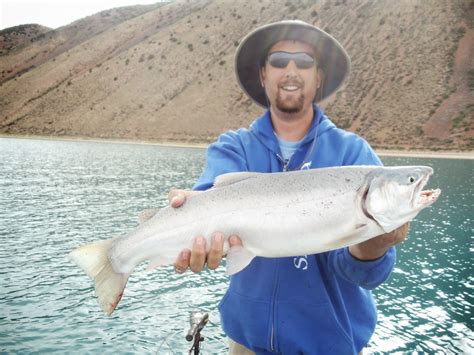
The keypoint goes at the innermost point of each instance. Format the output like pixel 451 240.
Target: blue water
pixel 56 195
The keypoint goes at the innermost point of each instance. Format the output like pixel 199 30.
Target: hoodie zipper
pixel 285 164
pixel 275 290
pixel 272 335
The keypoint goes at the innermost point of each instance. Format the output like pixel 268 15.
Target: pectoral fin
pixel 160 261
pixel 237 259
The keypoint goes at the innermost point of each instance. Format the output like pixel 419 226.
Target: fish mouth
pixel 423 198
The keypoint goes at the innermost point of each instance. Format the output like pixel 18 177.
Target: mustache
pixel 292 82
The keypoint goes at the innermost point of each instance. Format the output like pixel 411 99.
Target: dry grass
pixel 167 73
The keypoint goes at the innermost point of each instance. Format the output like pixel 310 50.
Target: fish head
pixel 395 195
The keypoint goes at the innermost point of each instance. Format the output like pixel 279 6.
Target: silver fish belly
pixel 275 215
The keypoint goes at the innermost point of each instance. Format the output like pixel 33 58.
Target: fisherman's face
pixel 290 89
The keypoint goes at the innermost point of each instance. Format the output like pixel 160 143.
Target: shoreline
pixel 445 154
pixel 163 143
pixel 441 154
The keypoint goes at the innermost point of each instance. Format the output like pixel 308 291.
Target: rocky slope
pixel 15 36
pixel 166 74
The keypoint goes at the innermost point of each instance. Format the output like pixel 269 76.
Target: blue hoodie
pixel 310 304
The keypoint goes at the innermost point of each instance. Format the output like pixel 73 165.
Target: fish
pixel 275 215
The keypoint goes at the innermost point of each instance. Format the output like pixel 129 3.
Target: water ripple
pixel 57 195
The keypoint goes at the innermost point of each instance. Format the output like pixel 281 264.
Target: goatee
pixel 290 107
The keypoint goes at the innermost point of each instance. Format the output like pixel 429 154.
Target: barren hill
pixel 49 43
pixel 17 35
pixel 166 74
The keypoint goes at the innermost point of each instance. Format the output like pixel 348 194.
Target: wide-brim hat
pixel 249 58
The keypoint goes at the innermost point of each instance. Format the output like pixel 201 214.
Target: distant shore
pixel 382 152
pixel 108 140
pixel 447 154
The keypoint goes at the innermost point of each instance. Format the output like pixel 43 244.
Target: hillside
pixel 48 44
pixel 15 36
pixel 166 74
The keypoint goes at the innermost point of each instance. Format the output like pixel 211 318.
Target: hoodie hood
pixel 262 127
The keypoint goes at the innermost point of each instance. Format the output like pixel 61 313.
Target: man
pixel 311 304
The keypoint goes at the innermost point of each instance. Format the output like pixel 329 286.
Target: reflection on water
pixel 427 304
pixel 56 195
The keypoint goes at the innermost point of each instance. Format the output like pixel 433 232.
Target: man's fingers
pixel 406 228
pixel 215 253
pixel 402 232
pixel 198 255
pixel 398 235
pixel 182 262
pixel 176 198
pixel 196 258
pixel 234 240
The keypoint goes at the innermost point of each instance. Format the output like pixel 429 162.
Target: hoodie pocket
pixel 245 320
pixel 310 329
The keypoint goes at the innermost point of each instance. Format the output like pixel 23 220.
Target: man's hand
pixel 376 247
pixel 197 257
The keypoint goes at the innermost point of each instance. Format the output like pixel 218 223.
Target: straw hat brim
pixel 334 61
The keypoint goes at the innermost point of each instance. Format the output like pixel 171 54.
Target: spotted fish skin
pixel 275 215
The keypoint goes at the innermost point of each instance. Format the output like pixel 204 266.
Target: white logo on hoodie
pixel 301 262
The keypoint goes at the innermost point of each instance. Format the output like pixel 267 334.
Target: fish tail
pixel 109 284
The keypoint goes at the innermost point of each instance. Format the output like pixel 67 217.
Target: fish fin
pixel 109 284
pixel 232 178
pixel 145 215
pixel 237 259
pixel 154 263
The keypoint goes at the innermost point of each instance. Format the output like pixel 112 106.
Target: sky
pixel 55 13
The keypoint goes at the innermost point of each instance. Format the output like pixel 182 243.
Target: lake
pixel 56 195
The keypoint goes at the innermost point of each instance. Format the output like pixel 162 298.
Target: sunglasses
pixel 280 60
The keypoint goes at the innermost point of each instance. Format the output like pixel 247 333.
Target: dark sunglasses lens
pixel 304 61
pixel 281 60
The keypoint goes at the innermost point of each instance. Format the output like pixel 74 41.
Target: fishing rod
pixel 198 321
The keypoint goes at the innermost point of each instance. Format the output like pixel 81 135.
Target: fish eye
pixel 411 179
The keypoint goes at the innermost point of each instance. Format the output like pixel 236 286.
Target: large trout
pixel 275 215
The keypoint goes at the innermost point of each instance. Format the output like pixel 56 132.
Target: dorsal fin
pixel 232 178
pixel 145 215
